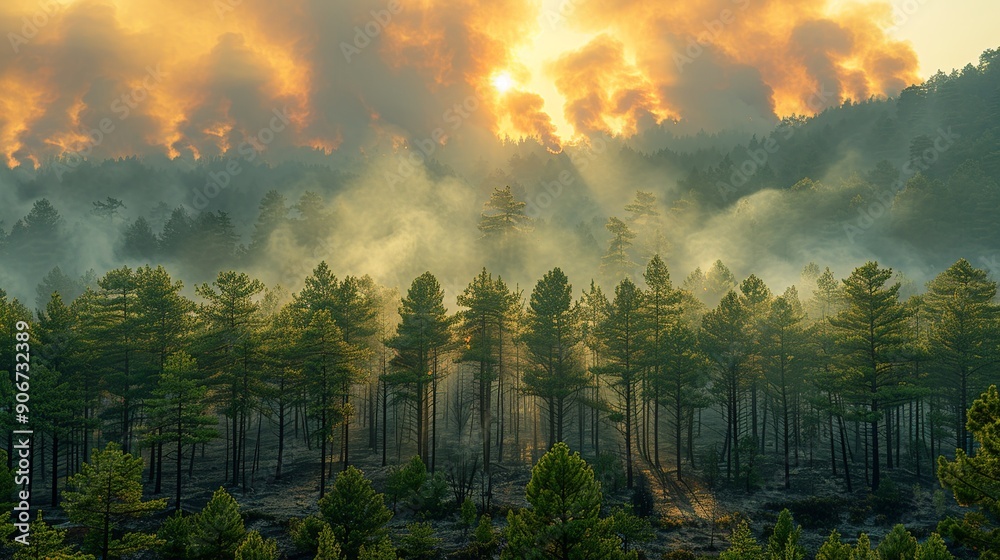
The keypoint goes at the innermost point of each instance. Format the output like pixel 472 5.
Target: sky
pixel 196 79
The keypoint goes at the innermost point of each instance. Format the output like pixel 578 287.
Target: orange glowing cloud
pixel 188 78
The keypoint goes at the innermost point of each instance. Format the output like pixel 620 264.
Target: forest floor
pixel 689 514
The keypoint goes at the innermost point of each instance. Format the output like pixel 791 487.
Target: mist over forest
pixel 560 280
pixel 909 181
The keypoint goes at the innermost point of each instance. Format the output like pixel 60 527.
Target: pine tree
pixel 783 346
pixel 622 333
pixel 419 542
pixel 326 368
pixel 975 479
pixel 562 522
pixel 616 264
pixel 743 545
pixel 329 549
pixel 863 549
pixel 724 339
pixel 871 337
pixel 503 216
pixel 218 529
pixel 933 549
pixel 488 304
pixel 552 334
pixel 105 494
pixel 254 547
pixel 783 544
pixel 47 543
pixel 964 336
pixel 355 512
pixel 178 412
pixel 382 550
pixel 421 338
pixel 233 350
pixel 833 548
pixel 899 544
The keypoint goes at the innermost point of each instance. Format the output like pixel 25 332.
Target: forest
pixel 673 347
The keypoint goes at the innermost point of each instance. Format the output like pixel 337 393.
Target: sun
pixel 502 82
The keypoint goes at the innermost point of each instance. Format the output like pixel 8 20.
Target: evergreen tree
pixel 551 337
pixel 743 545
pixel 254 547
pixel 975 479
pixel 616 263
pixel 488 304
pixel 233 351
pixel 871 336
pixel 355 512
pixel 964 337
pixel 178 411
pixel 783 544
pixel 783 346
pixel 138 241
pixel 503 216
pixel 104 495
pixel 419 542
pixel 47 543
pixel 899 544
pixel 933 549
pixel 328 547
pixel 218 529
pixel 562 522
pixel 272 215
pixel 622 334
pixel 725 340
pixel 421 338
pixel 833 548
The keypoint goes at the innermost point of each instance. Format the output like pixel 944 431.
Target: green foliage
pixel 551 337
pixel 630 528
pixel 328 549
pixel 48 543
pixel 743 545
pixel 562 521
pixel 382 550
pixel 419 542
pixel 305 532
pixel 783 544
pixel 105 494
pixel 355 512
pixel 468 513
pixel 834 549
pixel 863 549
pixel 975 479
pixel 254 547
pixel 609 471
pixel 933 549
pixel 485 539
pixel 175 534
pixel 899 544
pixel 218 529
pixel 404 482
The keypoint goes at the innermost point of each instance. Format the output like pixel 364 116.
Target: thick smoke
pixel 194 79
